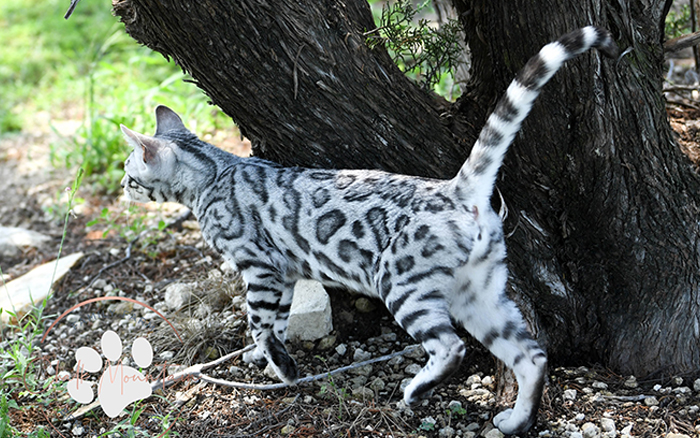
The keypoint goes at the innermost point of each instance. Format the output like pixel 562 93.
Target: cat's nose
pixel 123 182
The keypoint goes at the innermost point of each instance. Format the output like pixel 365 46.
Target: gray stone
pixel 447 432
pixel 364 305
pixel 590 430
pixel 412 369
pixel 360 355
pixel 14 240
pixel 178 294
pixel 378 384
pixel 570 394
pixel 310 316
pixel 494 433
pixel 599 385
pixel 31 288
pixel 78 430
pixel 608 425
pixel 651 401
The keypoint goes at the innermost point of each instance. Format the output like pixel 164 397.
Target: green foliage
pixel 131 224
pixel 678 23
pixel 427 426
pixel 426 53
pixel 87 69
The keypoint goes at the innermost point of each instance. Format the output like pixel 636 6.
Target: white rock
pixel 341 349
pixel 590 430
pixel 627 430
pixel 177 295
pixel 227 269
pixel 494 433
pixel 651 401
pixel 570 394
pixel 23 292
pixel 447 432
pixel 310 316
pixel 412 369
pixel 360 355
pixel 599 385
pixel 607 425
pixel 78 430
pixel 696 385
pixel 14 240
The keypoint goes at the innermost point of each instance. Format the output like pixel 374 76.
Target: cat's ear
pixel 145 146
pixel 167 120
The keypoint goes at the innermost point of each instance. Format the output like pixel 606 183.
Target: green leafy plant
pixel 424 52
pixel 131 224
pixel 427 426
pixel 678 23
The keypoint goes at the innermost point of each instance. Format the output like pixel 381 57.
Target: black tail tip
pixel 605 43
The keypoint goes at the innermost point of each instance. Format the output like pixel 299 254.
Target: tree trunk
pixel 603 223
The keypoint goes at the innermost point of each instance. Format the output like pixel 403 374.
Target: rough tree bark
pixel 603 223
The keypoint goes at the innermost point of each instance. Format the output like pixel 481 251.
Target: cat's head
pixel 159 169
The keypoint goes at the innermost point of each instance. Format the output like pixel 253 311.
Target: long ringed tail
pixel 478 174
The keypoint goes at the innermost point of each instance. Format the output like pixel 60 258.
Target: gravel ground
pixel 587 401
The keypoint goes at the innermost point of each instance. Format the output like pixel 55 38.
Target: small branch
pixel 308 379
pixel 71 8
pixel 682 42
pixel 627 398
pixel 675 88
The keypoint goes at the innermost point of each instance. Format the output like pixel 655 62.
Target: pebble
pixel 570 394
pixel 494 433
pixel 341 349
pixel 651 401
pixel 608 425
pixel 599 385
pixel 360 355
pixel 447 432
pixel 696 385
pixel 412 369
pixel 631 382
pixel 78 430
pixel 590 430
pixel 377 384
pixel 472 380
pixel 364 305
pixel 326 342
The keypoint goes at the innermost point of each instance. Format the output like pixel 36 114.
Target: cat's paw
pixel 509 424
pixel 256 357
pixel 416 393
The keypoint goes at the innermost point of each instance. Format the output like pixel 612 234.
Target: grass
pixel 87 68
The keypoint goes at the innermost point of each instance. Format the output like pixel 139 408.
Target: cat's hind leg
pixel 492 318
pixel 269 300
pixel 425 316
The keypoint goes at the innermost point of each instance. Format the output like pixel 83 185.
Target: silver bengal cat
pixel 432 250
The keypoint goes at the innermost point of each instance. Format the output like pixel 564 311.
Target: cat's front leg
pixel 267 301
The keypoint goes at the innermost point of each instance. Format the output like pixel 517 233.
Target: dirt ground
pixel 588 401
